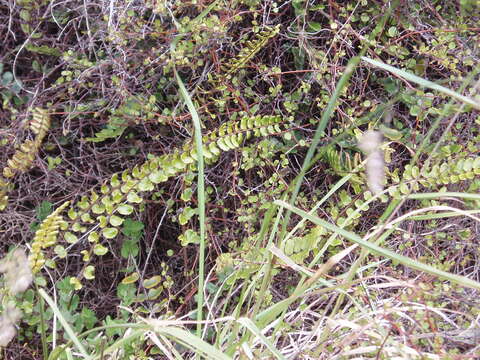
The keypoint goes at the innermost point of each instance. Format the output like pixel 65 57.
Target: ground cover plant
pixel 239 179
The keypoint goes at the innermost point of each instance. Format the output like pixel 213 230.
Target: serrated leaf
pixel 129 247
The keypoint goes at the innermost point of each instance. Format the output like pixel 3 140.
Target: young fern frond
pixel 40 123
pixel 245 55
pixel 118 196
pixel 46 236
pixel 22 159
pixel 342 163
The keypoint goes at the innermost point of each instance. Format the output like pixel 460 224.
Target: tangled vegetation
pixel 239 179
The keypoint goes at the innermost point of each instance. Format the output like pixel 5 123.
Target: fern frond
pixel 252 47
pixel 46 236
pixel 22 159
pixel 447 172
pixel 40 123
pixel 121 193
pixel 342 163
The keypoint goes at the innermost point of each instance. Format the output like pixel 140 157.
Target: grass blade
pixel 201 197
pixel 254 329
pixel 422 82
pixel 64 323
pixel 461 280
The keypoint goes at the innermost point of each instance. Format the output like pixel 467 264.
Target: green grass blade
pixel 319 132
pixel 64 323
pixel 461 280
pixel 192 342
pixel 422 82
pixel 201 197
pixel 254 329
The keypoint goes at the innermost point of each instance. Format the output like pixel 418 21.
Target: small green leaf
pixel 70 238
pixel 392 31
pixel 189 237
pixel 186 215
pixel 186 194
pixel 152 282
pixel 145 185
pixel 154 293
pixel 25 15
pixel 43 210
pixel 89 272
pixel 158 176
pixel 129 248
pixel 102 221
pixel 130 279
pixel 98 209
pixel 133 197
pixel 99 250
pixel 114 180
pixel 77 285
pixel 109 233
pixel 60 251
pixel 116 220
pixel 314 26
pixel 93 237
pixel 72 214
pixel 125 209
